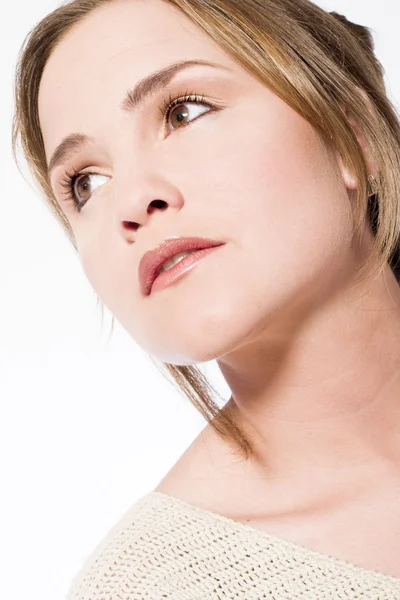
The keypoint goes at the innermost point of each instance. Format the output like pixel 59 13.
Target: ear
pixel 348 177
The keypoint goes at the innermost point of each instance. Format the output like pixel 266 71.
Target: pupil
pixel 181 113
pixel 84 187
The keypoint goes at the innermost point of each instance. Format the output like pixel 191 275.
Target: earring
pixel 372 185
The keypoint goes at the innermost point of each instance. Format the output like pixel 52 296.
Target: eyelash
pixel 69 179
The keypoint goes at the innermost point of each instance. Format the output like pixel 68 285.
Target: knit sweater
pixel 163 547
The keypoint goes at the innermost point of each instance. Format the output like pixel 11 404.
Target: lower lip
pixel 179 270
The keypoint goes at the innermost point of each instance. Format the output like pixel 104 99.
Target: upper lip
pixel 153 260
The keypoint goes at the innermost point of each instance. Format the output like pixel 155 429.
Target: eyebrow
pixel 133 100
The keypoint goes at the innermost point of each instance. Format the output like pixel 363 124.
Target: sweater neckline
pixel 274 539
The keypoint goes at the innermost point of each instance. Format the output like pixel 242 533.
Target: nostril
pixel 131 226
pixel 157 204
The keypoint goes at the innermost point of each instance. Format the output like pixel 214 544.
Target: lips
pixel 153 260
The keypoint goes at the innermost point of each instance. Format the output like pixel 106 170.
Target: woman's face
pixel 252 174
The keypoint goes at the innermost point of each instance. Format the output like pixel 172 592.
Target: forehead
pixel 116 45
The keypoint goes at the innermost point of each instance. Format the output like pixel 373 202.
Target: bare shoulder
pixel 194 466
pixel 208 475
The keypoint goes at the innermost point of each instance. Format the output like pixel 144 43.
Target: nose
pixel 140 201
pixel 154 205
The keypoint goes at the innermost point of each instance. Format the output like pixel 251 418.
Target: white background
pixel 88 425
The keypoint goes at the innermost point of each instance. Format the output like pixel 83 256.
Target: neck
pixel 328 396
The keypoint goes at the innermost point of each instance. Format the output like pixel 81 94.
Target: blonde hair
pixel 313 60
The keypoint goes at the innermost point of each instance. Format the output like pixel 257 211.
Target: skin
pixel 312 363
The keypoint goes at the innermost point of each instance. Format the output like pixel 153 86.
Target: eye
pixel 181 113
pixel 79 187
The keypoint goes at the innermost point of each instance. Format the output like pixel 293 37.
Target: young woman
pixel 229 173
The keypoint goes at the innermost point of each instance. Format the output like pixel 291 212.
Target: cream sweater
pixel 165 548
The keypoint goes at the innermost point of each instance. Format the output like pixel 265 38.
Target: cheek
pixel 107 270
pixel 289 217
pixel 281 194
